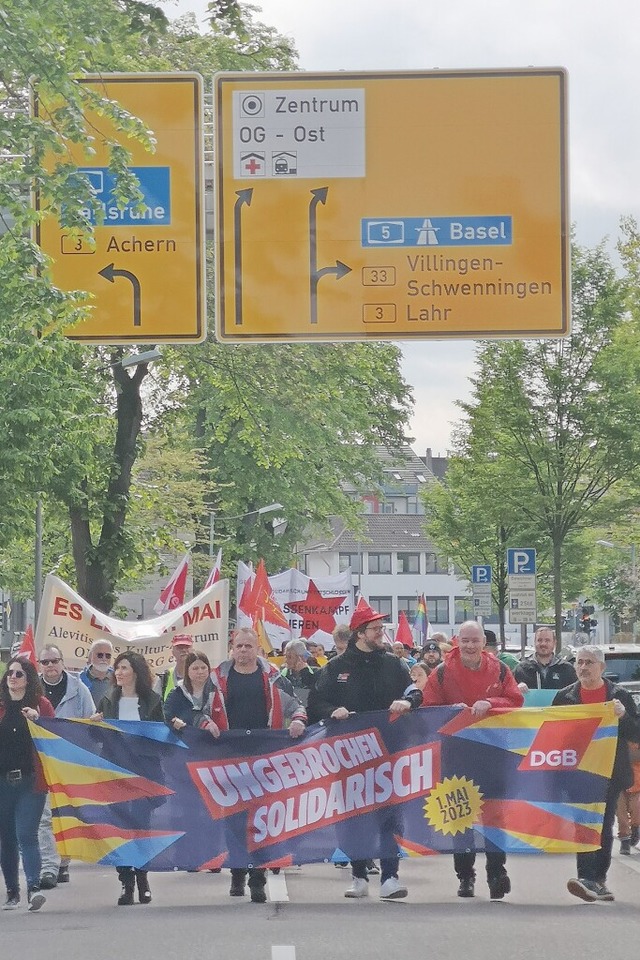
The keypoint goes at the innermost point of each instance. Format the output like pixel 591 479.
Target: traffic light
pixel 586 622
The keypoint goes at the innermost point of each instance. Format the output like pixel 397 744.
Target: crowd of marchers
pixel 363 671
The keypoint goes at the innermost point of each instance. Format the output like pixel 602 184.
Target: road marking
pixel 278 893
pixel 283 953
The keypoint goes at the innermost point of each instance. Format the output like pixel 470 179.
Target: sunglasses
pixel 16 673
pixel 45 663
pixel 102 656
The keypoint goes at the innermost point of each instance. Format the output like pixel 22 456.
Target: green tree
pixel 251 426
pixel 560 415
pixel 287 424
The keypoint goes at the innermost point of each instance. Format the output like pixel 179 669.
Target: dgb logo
pixel 539 760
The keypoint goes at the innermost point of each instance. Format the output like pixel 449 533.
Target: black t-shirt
pixel 54 692
pixel 16 747
pixel 246 701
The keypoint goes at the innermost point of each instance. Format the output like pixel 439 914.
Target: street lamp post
pixel 240 516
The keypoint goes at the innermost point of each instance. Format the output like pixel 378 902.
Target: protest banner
pixel 312 607
pixel 524 781
pixel 73 624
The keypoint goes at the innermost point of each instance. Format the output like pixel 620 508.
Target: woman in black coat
pixel 132 698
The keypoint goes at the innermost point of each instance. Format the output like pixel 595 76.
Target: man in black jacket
pixel 592 687
pixel 544 670
pixel 366 677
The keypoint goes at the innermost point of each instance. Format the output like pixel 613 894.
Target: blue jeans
pixel 21 807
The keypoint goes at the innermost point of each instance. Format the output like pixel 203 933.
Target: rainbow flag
pixel 421 623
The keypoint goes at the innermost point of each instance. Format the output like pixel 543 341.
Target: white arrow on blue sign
pixel 481 574
pixel 521 560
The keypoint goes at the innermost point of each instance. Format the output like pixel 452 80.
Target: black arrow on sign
pixel 319 195
pixel 244 196
pixel 109 273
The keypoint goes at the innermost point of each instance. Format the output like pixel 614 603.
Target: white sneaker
pixel 359 888
pixel 392 889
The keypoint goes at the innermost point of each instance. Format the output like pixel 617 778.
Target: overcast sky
pixel 598 43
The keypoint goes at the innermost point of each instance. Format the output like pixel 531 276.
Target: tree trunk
pixel 557 589
pixel 98 567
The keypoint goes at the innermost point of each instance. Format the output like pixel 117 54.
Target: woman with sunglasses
pixel 131 698
pixel 22 792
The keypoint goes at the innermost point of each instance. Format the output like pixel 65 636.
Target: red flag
pixel 261 602
pixel 173 594
pixel 214 576
pixel 27 649
pixel 403 633
pixel 244 590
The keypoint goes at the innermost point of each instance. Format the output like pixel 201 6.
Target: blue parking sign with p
pixel 521 560
pixel 481 574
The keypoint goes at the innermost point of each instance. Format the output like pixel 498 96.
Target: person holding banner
pixel 131 698
pixel 189 703
pixel 250 695
pixel 365 678
pixel 471 677
pixel 22 797
pixel 592 687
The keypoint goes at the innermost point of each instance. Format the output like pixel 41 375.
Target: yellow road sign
pixel 391 206
pixel 146 270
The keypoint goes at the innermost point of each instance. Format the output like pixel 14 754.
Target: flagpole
pixel 37 587
pixel 212 518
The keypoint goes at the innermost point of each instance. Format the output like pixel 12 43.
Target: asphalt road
pixel 308 918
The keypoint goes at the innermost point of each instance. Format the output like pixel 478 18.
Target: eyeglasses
pixel 18 674
pixel 45 663
pixel 102 656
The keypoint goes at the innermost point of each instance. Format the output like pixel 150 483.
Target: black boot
pixel 257 883
pixel 128 879
pixel 635 835
pixel 237 883
pixel 144 893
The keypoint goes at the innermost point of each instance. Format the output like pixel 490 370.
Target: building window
pixel 352 560
pixel 382 605
pixel 435 564
pixel 408 563
pixel 409 606
pixel 464 609
pixel 438 609
pixel 379 563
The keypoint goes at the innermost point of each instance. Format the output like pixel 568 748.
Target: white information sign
pixel 292 134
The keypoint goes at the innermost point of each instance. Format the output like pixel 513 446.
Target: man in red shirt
pixel 471 677
pixel 593 687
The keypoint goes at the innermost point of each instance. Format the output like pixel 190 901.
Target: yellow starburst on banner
pixel 453 805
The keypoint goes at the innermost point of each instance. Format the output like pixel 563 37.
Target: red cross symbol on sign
pixel 252 165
